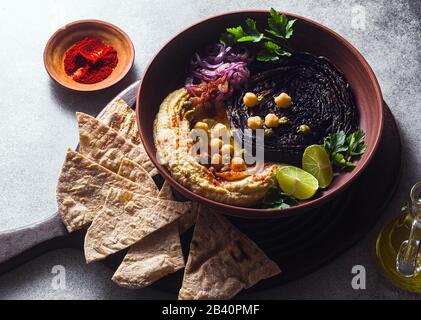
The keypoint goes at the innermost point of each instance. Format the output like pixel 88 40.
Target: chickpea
pixel 227 149
pixel 240 153
pixel 201 143
pixel 283 120
pixel 220 131
pixel 187 105
pixel 250 100
pixel 255 123
pixel 268 132
pixel 283 101
pixel 203 158
pixel 304 129
pixel 216 161
pixel 271 120
pixel 216 144
pixel 238 164
pixel 210 122
pixel 201 126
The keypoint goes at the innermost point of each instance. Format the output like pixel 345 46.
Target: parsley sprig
pixel 276 199
pixel 273 42
pixel 343 149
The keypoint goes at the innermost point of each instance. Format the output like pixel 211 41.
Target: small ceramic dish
pixel 65 37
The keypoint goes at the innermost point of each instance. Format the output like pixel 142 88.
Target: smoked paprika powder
pixel 90 61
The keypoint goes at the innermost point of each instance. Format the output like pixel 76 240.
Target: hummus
pixel 173 144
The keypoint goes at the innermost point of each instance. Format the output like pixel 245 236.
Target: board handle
pixel 18 246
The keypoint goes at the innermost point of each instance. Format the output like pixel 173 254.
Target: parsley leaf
pixel 235 33
pixel 275 199
pixel 356 143
pixel 343 148
pixel 289 31
pixel 279 25
pixel 252 34
pixel 271 48
pixel 335 142
pixel 340 161
pixel 246 33
pixel 271 52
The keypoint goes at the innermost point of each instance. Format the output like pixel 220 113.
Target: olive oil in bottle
pixel 398 246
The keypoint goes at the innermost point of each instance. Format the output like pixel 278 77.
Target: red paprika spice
pixel 90 61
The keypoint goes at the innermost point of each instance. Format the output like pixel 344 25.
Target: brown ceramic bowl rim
pixel 256 213
pixel 95 86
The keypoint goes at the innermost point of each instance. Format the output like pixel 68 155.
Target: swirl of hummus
pixel 173 144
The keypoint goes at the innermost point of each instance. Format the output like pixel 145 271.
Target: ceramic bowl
pixel 166 72
pixel 65 37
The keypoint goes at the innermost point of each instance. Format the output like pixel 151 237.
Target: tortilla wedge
pixel 152 258
pixel 136 173
pixel 125 219
pixel 82 188
pixel 222 261
pixel 187 220
pixel 122 119
pixel 104 145
pixel 166 192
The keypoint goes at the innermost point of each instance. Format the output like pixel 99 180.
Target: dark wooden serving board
pixel 299 244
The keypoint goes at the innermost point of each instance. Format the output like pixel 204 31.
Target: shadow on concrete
pixel 90 102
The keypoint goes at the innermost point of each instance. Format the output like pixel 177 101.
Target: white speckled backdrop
pixel 37 124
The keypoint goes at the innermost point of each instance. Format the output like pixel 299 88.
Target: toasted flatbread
pixel 166 192
pixel 189 219
pixel 136 173
pixel 82 188
pixel 119 116
pixel 152 258
pixel 155 256
pixel 222 261
pixel 186 221
pixel 125 219
pixel 104 145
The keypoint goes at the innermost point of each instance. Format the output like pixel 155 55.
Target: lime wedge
pixel 297 182
pixel 316 162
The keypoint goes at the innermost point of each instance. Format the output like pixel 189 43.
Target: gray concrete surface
pixel 37 124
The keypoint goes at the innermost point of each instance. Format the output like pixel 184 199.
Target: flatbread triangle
pixel 125 219
pixel 222 260
pixel 104 145
pixel 83 186
pixel 155 256
pixel 119 116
